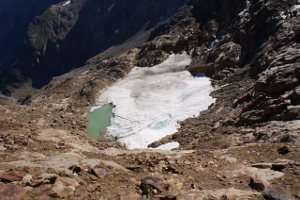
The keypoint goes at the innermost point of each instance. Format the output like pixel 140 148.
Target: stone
pixel 11 192
pixel 277 194
pixel 257 184
pixel 45 179
pixel 135 168
pixel 295 97
pixel 2 148
pixel 99 172
pixel 224 197
pixel 262 165
pixel 296 171
pixel 64 187
pixel 75 169
pixel 168 197
pixel 11 176
pixel 287 139
pixel 279 166
pixel 152 185
pixel 27 179
pixel 207 69
pixel 283 150
pixel 293 112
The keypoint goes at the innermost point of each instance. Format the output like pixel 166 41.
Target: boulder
pixel 64 187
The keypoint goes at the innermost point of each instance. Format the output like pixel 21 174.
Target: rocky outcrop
pixel 274 95
pixel 262 38
pixel 179 34
pixel 255 37
pixel 195 29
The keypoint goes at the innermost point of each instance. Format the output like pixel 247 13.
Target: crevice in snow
pixel 149 102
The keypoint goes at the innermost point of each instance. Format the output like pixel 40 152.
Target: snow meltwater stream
pixel 149 102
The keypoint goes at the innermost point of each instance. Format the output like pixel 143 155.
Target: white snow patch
pixel 296 8
pixel 168 146
pixel 66 3
pixel 149 102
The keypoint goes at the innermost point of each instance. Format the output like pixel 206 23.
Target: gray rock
pixel 277 194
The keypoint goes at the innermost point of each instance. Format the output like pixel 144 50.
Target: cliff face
pixel 53 41
pixel 15 16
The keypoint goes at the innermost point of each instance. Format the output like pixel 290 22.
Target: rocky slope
pixel 245 146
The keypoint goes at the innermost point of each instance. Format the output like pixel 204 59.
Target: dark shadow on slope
pixel 100 25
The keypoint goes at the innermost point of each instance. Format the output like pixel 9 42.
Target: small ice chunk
pixel 168 146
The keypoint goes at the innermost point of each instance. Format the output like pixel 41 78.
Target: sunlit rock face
pixel 149 102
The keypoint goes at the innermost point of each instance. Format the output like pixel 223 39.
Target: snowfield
pixel 149 102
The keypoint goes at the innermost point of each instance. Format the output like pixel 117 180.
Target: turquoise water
pixel 99 118
pixel 160 124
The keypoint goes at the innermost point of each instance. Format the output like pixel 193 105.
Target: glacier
pixel 150 102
